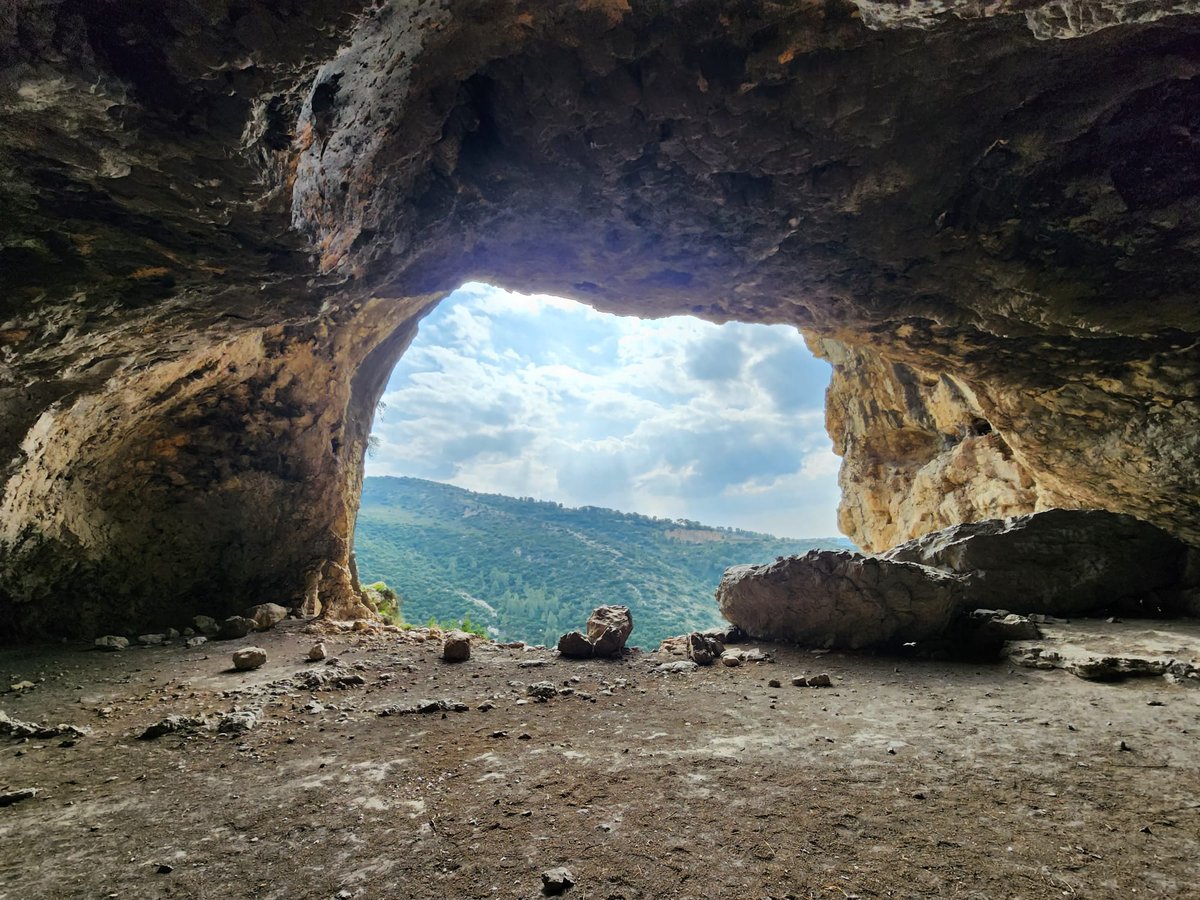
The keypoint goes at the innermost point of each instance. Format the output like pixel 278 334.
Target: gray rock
pixel 1001 626
pixel 235 627
pixel 10 727
pixel 730 659
pixel 608 628
pixel 836 599
pixel 249 658
pixel 680 665
pixel 238 721
pixel 152 640
pixel 423 706
pixel 112 643
pixel 317 652
pixel 197 641
pixel 1058 562
pixel 266 615
pixel 8 798
pixel 456 647
pixel 821 680
pixel 575 646
pixel 557 881
pixel 171 725
pixel 206 625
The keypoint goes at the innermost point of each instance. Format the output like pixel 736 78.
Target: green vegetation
pixel 463 624
pixel 524 569
pixel 387 602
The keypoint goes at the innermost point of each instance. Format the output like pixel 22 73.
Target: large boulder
pixel 838 599
pixel 266 615
pixel 1059 562
pixel 456 647
pixel 575 645
pixel 608 628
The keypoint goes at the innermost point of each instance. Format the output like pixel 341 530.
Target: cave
pixel 223 222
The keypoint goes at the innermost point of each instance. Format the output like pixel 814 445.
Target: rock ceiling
pixel 222 222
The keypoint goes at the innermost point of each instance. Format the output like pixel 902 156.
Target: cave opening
pixel 532 458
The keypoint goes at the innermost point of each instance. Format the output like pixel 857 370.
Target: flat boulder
pixel 837 599
pixel 112 643
pixel 1061 562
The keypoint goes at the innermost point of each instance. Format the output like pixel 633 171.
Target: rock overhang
pixel 224 228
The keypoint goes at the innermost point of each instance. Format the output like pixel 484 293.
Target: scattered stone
pixel 557 881
pixel 774 683
pixel 164 869
pixel 238 721
pixel 423 706
pixel 703 649
pixel 485 706
pixel 10 727
pixel 731 659
pixel 456 647
pixel 265 615
pixel 8 798
pixel 317 652
pixel 172 634
pixel 152 640
pixel 799 681
pixel 537 663
pixel 197 641
pixel 235 627
pixel 206 625
pixel 112 643
pixel 821 680
pixel 542 690
pixel 19 686
pixel 171 725
pixel 249 658
pixel 679 665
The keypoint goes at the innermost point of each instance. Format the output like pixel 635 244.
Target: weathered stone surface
pixel 1060 562
pixel 836 599
pixel 703 649
pixel 265 615
pixel 172 724
pixel 198 314
pixel 249 658
pixel 317 652
pixel 575 645
pixel 456 647
pixel 608 628
pixel 112 642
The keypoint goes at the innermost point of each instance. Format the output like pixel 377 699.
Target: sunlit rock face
pixel 222 224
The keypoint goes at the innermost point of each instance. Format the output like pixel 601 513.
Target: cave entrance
pixel 674 422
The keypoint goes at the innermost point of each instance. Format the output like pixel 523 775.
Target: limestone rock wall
pixel 220 224
pixel 918 453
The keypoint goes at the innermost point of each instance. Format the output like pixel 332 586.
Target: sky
pixel 537 396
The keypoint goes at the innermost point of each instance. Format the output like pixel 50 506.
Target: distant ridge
pixel 531 569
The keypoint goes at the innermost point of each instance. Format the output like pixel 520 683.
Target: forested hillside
pixel 530 570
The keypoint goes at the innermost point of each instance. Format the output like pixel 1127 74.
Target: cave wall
pixel 222 222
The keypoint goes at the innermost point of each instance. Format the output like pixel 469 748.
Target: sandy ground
pixel 905 779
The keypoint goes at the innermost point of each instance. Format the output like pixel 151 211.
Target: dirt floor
pixel 904 779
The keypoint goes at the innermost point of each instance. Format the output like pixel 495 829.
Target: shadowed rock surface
pixel 836 599
pixel 222 224
pixel 1059 562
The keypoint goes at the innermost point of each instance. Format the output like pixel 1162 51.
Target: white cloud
pixel 541 396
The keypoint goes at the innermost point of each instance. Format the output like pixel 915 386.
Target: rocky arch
pixel 223 221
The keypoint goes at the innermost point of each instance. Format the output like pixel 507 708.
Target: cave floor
pixel 906 778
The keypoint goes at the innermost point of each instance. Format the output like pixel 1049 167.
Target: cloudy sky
pixel 536 396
